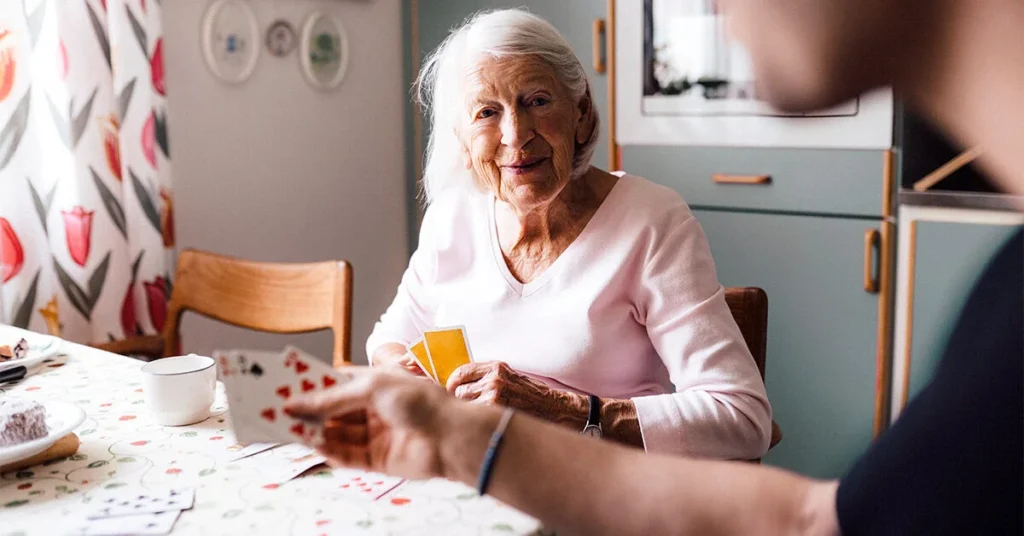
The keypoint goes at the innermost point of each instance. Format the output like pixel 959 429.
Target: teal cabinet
pixel 949 258
pixel 822 328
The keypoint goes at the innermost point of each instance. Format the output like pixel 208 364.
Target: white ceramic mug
pixel 180 390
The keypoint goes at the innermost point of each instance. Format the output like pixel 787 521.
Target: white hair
pixel 439 87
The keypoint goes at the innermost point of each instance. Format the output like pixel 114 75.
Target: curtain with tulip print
pixel 86 220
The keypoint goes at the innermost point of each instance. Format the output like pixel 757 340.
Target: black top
pixel 953 462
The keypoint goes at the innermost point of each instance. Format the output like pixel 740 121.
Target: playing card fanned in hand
pixel 419 352
pixel 448 349
pixel 259 384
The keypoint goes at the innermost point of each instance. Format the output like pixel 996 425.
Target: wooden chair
pixel 271 297
pixel 749 307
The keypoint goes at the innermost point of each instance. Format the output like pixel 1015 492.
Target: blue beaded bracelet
pixel 492 451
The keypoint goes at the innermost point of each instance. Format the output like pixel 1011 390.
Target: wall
pixel 273 170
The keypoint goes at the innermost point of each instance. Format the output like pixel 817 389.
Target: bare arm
pixel 594 487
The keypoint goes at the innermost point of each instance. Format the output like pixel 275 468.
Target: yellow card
pixel 448 350
pixel 419 351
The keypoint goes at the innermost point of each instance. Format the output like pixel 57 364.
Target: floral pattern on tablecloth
pixel 121 446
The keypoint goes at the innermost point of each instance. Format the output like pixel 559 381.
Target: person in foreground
pixel 951 464
pixel 570 281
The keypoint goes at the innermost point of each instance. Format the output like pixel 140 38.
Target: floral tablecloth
pixel 121 446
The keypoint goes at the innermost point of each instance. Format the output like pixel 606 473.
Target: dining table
pixel 121 446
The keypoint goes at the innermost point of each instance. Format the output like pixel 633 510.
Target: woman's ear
pixel 586 123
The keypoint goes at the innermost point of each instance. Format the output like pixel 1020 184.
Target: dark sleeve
pixel 952 462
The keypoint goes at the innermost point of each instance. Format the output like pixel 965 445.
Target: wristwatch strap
pixel 594 417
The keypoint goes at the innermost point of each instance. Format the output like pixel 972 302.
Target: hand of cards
pixel 441 351
pixel 259 384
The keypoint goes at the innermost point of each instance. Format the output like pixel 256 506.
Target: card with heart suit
pixel 448 349
pixel 419 352
pixel 353 484
pixel 281 464
pixel 259 384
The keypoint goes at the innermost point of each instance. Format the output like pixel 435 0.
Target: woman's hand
pixel 497 383
pixel 396 356
pixel 384 421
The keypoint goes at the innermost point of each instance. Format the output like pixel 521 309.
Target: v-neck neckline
pixel 526 289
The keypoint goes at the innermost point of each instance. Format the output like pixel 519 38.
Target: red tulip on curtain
pixel 156 300
pixel 128 322
pixel 112 144
pixel 62 60
pixel 149 139
pixel 167 217
pixel 7 67
pixel 156 67
pixel 78 231
pixel 11 253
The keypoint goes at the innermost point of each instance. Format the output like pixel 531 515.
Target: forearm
pixel 578 485
pixel 619 421
pixel 388 353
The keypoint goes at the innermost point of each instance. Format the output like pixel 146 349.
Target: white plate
pixel 40 347
pixel 61 419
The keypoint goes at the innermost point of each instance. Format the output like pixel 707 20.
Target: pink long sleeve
pixel 720 408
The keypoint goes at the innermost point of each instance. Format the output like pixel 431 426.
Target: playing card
pixel 259 384
pixel 241 450
pixel 281 464
pixel 448 350
pixel 133 501
pixel 353 484
pixel 160 523
pixel 419 352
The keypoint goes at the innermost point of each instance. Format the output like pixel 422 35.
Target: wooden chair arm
pixel 150 346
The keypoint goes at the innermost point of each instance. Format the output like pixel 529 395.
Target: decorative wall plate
pixel 324 50
pixel 281 38
pixel 230 39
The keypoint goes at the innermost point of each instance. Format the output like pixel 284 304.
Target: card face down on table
pixel 259 384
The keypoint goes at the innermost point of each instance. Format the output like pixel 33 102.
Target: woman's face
pixel 521 130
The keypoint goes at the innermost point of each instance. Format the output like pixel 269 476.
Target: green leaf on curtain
pixel 42 206
pixel 81 120
pixel 135 266
pixel 111 203
pixel 146 201
pixel 161 134
pixel 125 98
pixel 24 311
pixel 61 122
pixel 101 33
pixel 35 21
pixel 99 276
pixel 78 298
pixel 10 136
pixel 140 33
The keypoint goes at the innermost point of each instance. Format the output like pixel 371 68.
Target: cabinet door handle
pixel 722 178
pixel 598 46
pixel 872 245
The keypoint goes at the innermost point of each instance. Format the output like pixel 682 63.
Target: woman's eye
pixel 539 101
pixel 485 113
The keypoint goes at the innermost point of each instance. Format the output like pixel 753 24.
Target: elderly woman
pixel 570 281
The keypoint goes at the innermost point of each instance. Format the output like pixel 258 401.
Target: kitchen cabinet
pixel 822 326
pixel 948 258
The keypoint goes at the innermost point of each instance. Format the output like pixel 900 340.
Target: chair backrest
pixel 749 307
pixel 271 297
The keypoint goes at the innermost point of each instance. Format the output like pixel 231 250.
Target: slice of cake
pixel 21 421
pixel 18 351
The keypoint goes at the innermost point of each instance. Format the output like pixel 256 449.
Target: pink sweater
pixel 632 309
